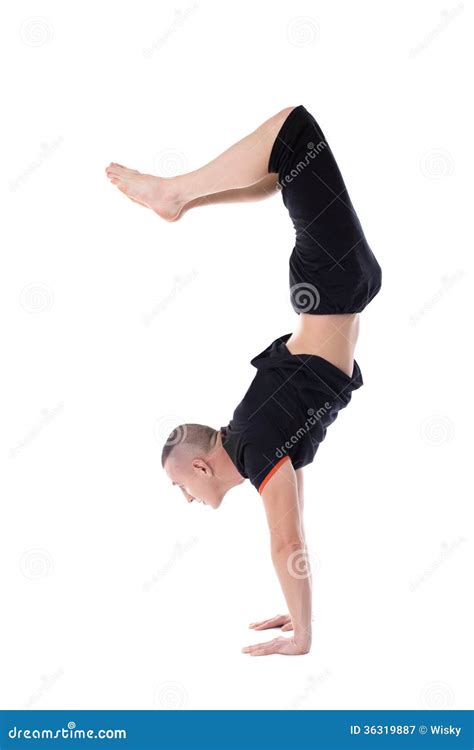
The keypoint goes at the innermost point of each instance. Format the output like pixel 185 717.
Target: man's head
pixel 195 461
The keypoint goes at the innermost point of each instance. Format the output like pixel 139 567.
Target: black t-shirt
pixel 285 413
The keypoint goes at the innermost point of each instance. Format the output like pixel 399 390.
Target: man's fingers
pixel 288 626
pixel 265 649
pixel 272 622
pixel 260 625
pixel 258 647
pixel 249 649
pixel 281 645
pixel 265 652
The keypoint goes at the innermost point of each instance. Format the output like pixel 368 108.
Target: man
pixel 303 380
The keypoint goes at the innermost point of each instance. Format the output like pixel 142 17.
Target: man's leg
pixel 264 188
pixel 242 165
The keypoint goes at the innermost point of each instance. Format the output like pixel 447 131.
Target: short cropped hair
pixel 198 436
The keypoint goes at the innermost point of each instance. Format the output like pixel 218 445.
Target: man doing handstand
pixel 303 379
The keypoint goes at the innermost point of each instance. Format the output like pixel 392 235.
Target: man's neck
pixel 224 467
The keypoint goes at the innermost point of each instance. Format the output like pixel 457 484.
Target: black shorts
pixel 332 268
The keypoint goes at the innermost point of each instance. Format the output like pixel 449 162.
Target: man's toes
pixel 121 169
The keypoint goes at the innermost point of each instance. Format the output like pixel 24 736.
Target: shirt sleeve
pixel 261 463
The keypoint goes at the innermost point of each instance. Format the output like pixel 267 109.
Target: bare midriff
pixel 332 337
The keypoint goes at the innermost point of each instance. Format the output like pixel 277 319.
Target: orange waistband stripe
pixel 272 471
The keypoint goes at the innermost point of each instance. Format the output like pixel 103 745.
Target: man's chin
pixel 216 503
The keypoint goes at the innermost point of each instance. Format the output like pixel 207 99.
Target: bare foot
pixel 157 193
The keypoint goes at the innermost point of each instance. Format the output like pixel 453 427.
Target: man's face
pixel 195 480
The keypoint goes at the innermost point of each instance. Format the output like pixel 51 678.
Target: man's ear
pixel 201 466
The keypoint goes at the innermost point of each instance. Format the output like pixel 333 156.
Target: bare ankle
pixel 173 190
pixel 186 188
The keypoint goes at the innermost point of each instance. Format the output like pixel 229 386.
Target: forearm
pixel 292 567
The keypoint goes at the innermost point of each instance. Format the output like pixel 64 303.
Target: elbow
pixel 293 556
pixel 282 546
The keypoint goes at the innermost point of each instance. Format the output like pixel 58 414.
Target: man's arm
pixel 290 559
pixel 284 621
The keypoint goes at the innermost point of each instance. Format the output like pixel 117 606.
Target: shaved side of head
pixel 187 439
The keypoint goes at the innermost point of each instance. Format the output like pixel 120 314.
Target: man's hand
pixel 280 621
pixel 285 646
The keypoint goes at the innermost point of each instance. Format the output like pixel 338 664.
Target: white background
pixel 115 326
